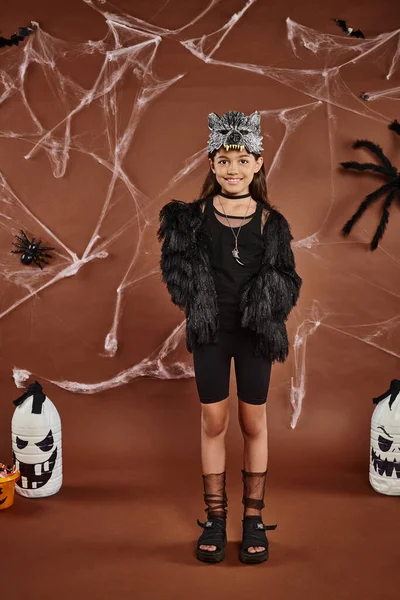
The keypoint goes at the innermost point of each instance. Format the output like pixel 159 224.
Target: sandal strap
pixel 253 533
pixel 248 526
pixel 265 527
pixel 214 533
pixel 216 525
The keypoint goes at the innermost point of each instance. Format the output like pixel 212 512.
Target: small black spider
pixel 31 251
pixel 392 189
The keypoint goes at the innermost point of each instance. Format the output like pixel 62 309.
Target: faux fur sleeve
pixel 286 283
pixel 175 234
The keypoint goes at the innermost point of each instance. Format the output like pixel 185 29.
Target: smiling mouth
pixel 4 499
pixel 34 476
pixel 385 467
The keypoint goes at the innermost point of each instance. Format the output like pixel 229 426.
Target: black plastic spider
pixel 392 188
pixel 31 251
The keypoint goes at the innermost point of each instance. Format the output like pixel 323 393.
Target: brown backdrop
pixel 103 119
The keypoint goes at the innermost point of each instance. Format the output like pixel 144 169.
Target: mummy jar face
pixel 35 459
pixel 384 472
pixel 36 444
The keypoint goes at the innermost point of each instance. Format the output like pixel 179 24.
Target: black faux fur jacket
pixel 266 299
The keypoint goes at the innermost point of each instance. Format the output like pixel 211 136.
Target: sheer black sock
pixel 253 493
pixel 215 495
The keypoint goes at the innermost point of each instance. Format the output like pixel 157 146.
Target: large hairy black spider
pixel 31 251
pixel 392 188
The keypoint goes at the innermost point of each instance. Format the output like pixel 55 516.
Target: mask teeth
pixel 233 147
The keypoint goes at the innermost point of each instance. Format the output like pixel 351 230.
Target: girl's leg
pixel 214 425
pixel 253 424
pixel 212 363
pixel 253 377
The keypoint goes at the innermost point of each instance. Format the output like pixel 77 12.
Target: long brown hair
pixel 257 188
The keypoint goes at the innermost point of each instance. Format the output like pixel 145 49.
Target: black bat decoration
pixel 16 38
pixel 31 251
pixel 349 30
pixel 391 189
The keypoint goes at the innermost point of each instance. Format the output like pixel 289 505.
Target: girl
pixel 227 262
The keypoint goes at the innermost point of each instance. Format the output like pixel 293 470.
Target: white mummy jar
pixel 36 443
pixel 384 468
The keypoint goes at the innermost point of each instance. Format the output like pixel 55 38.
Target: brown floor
pixel 124 523
pixel 123 526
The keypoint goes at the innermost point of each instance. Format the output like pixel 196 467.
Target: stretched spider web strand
pixel 364 205
pixel 384 220
pixel 352 164
pixel 377 150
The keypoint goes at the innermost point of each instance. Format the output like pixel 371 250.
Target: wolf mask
pixel 235 131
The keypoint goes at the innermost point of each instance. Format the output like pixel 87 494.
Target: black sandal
pixel 214 534
pixel 254 535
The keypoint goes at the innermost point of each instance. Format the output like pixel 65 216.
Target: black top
pixel 229 276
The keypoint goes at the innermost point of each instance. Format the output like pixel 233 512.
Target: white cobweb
pixel 128 51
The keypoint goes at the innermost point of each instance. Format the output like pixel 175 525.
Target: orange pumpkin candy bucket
pixel 7 488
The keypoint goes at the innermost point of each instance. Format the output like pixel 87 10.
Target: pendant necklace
pixel 235 251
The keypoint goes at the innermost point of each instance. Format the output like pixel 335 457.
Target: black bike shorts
pixel 212 366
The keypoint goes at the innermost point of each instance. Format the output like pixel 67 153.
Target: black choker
pixel 234 197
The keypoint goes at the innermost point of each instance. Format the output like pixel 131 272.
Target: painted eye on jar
pixel 21 443
pixel 384 444
pixel 47 443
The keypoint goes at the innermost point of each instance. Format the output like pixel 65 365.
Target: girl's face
pixel 234 170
